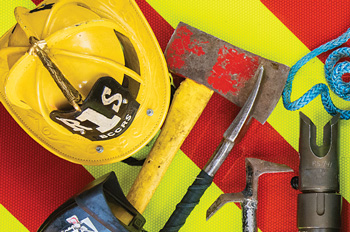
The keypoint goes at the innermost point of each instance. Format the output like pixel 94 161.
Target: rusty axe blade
pixel 225 68
pixel 231 137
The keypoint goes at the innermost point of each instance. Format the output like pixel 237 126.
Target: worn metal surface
pixel 319 167
pixel 72 95
pixel 225 68
pixel 248 198
pixel 231 137
pixel 319 204
pixel 236 130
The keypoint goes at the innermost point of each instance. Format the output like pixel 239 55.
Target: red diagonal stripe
pixel 345 219
pixel 161 28
pixel 40 191
pixel 37 2
pixel 313 22
pixel 33 181
pixel 261 141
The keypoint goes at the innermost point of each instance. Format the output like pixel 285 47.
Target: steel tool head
pixel 257 167
pixel 236 131
pixel 318 169
pixel 226 69
pixel 254 169
pixel 319 204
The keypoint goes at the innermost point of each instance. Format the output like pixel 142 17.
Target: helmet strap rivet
pixel 150 112
pixel 99 149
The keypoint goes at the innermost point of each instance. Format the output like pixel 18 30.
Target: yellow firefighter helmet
pixel 86 79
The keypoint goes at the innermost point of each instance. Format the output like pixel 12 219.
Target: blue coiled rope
pixel 333 74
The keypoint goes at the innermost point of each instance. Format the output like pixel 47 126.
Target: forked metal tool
pixel 319 203
pixel 248 198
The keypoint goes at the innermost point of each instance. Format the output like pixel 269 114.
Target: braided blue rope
pixel 333 74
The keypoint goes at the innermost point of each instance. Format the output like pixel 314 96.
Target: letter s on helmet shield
pixel 81 77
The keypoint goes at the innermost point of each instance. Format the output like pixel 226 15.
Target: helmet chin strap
pixel 38 48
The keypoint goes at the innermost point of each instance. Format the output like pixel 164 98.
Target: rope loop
pixel 334 71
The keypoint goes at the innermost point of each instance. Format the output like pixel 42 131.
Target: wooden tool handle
pixel 189 101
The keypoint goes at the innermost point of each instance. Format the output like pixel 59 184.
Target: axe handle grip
pixel 188 202
pixel 188 103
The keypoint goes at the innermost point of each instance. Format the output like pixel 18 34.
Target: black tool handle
pixel 188 202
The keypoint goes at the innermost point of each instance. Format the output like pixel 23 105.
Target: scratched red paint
pixel 181 45
pixel 232 70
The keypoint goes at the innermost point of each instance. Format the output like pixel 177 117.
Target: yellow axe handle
pixel 188 103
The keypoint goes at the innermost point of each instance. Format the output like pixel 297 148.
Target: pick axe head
pixel 254 169
pixel 224 68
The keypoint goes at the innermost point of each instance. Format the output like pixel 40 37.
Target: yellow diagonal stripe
pixel 178 178
pixel 251 26
pixel 9 223
pixel 7 15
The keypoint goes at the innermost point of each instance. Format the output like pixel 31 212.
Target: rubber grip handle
pixel 188 202
pixel 188 103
